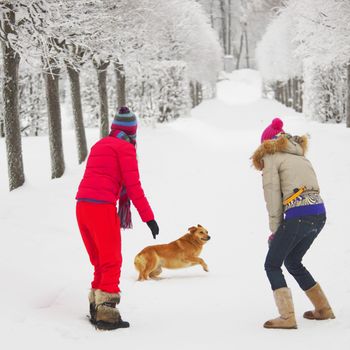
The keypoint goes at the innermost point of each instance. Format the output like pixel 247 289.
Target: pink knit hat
pixel 272 130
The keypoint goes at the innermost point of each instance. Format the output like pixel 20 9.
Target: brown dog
pixel 183 252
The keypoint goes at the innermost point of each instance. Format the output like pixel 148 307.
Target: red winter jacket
pixel 112 163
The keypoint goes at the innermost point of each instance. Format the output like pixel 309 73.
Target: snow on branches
pixel 160 92
pixel 310 39
pixel 276 51
pixel 322 29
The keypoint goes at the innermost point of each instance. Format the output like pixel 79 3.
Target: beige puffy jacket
pixel 284 169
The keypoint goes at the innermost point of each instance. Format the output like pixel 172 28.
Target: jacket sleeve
pixel 131 181
pixel 272 192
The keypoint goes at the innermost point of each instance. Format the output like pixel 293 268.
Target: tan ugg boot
pixel 107 315
pixel 322 311
pixel 284 303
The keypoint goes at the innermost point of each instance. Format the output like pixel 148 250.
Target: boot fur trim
pixel 92 296
pixel 104 297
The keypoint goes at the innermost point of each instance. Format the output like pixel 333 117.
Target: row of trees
pixel 240 25
pixel 304 58
pixel 158 51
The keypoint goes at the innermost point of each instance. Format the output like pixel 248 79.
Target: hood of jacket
pixel 285 143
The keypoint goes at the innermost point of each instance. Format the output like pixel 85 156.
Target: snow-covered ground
pixel 194 171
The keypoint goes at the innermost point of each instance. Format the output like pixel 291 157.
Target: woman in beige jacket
pixel 296 216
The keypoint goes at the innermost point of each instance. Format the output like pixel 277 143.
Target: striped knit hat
pixel 126 122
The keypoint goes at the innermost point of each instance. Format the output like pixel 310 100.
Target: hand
pixel 269 240
pixel 153 227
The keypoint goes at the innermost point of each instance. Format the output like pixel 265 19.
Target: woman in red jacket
pixel 111 175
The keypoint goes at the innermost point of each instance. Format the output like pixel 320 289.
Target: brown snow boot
pixel 92 306
pixel 107 315
pixel 284 303
pixel 322 311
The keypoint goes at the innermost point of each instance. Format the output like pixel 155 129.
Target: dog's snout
pixel 209 238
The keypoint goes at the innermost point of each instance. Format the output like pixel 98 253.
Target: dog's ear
pixel 192 229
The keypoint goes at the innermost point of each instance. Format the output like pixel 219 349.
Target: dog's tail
pixel 139 262
pixel 140 265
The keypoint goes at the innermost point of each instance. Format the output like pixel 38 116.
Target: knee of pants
pixel 271 266
pixel 293 267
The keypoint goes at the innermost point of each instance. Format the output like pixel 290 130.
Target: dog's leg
pixel 198 261
pixel 144 273
pixel 148 269
pixel 141 278
pixel 155 273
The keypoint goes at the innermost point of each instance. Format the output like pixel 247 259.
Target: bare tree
pixel 74 78
pixel 11 61
pixel 51 75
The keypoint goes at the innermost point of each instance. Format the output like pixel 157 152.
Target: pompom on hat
pixel 272 130
pixel 126 121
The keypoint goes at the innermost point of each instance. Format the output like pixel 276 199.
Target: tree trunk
pixel 280 92
pixel 282 89
pixel 348 99
pixel 54 119
pixel 301 92
pixel 274 89
pixel 101 69
pixel 246 46
pixel 289 93
pixel 277 91
pixel 285 92
pixel 223 25
pixel 229 29
pixel 295 94
pixel 2 128
pixel 121 84
pixel 240 51
pixel 11 109
pixel 77 113
pixel 212 14
pixel 199 93
pixel 193 94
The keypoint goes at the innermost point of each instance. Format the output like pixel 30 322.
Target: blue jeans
pixel 289 245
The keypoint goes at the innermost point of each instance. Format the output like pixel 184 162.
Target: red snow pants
pixel 99 226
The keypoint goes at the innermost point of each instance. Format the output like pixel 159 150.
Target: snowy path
pixel 194 170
